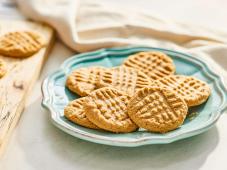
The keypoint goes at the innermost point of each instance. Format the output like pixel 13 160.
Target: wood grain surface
pixel 20 77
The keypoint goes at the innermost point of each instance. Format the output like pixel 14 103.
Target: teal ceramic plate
pixel 56 96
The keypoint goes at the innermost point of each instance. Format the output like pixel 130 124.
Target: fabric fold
pixel 89 25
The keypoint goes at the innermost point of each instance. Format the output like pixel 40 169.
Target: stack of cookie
pixel 142 93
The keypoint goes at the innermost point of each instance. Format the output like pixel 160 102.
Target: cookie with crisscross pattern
pixel 157 109
pixel 126 79
pixel 107 108
pixel 191 89
pixel 83 80
pixel 74 112
pixel 20 44
pixel 154 64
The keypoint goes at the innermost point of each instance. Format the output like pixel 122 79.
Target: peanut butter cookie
pixel 20 44
pixel 83 80
pixel 126 79
pixel 3 69
pixel 157 109
pixel 74 112
pixel 107 108
pixel 191 89
pixel 154 64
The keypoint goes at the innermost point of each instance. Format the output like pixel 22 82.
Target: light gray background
pixel 36 144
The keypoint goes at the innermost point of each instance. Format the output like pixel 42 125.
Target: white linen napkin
pixel 89 25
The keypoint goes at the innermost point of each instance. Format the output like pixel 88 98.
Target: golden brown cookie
pixel 20 44
pixel 126 79
pixel 157 109
pixel 83 80
pixel 192 90
pixel 107 108
pixel 3 69
pixel 154 64
pixel 74 112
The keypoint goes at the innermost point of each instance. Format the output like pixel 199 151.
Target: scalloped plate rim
pixel 140 141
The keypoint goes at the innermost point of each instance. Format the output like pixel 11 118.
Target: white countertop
pixel 37 144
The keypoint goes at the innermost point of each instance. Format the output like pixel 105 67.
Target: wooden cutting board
pixel 20 78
